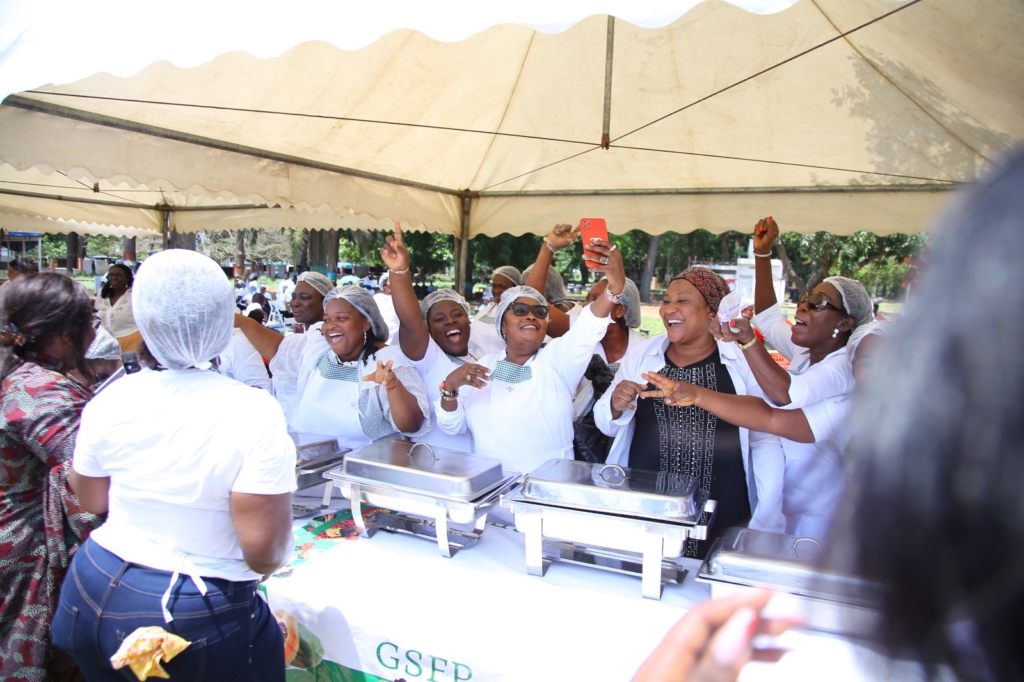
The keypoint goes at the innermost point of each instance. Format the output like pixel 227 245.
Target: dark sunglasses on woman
pixel 522 310
pixel 818 302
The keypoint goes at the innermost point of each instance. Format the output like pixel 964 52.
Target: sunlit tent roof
pixel 831 115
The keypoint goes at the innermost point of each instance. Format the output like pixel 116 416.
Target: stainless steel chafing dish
pixel 311 461
pixel 608 517
pixel 744 559
pixel 422 490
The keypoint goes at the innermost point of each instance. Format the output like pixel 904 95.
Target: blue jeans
pixel 104 599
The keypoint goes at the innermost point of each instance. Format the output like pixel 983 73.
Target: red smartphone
pixel 592 228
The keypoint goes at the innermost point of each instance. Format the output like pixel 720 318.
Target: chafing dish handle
pixel 325 467
pixel 615 468
pixel 433 457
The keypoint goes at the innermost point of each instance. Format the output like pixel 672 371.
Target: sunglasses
pixel 522 310
pixel 819 302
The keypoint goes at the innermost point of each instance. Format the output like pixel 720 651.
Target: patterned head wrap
pixel 856 299
pixel 509 297
pixel 360 299
pixel 509 272
pixel 319 282
pixel 554 286
pixel 709 283
pixel 439 295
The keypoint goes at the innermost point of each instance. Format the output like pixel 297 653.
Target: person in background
pixel 198 509
pixel 742 470
pixel 242 362
pixel 386 305
pixel 21 266
pixel 819 370
pixel 308 309
pixel 485 337
pixel 267 299
pixel 240 294
pixel 114 307
pixel 257 303
pixel 554 287
pixel 285 288
pixel 46 327
pixel 434 335
pixel 253 285
pixel 348 276
pixel 517 403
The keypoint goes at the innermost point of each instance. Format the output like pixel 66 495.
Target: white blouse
pixel 117 319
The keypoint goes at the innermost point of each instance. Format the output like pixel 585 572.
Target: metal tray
pixel 310 472
pixel 782 563
pixel 314 451
pixel 423 468
pixel 613 489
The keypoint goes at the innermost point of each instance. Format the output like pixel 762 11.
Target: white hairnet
pixel 439 295
pixel 184 307
pixel 856 299
pixel 509 297
pixel 631 299
pixel 383 278
pixel 361 299
pixel 862 332
pixel 554 286
pixel 319 282
pixel 509 272
pixel 104 346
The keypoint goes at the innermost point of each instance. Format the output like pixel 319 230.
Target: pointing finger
pixel 398 231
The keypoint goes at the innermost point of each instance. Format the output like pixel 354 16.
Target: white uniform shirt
pixel 284 293
pixel 815 472
pixel 117 319
pixel 763 459
pixel 434 367
pixel 242 362
pixel 484 339
pixel 287 362
pixel 175 445
pixel 386 305
pixel 527 423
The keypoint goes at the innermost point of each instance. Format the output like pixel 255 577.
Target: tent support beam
pixel 43 107
pixel 165 226
pixel 126 204
pixel 608 59
pixel 462 245
pixel 852 189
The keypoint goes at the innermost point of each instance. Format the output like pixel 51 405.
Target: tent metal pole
pixel 852 189
pixel 126 204
pixel 44 107
pixel 608 59
pixel 165 226
pixel 463 251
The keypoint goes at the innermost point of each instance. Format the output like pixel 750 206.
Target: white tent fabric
pixel 713 121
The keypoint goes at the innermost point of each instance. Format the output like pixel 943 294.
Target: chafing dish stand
pixel 425 491
pixel 611 518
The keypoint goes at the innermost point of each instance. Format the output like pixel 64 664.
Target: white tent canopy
pixel 831 115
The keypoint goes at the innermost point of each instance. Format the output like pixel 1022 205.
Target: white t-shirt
pixel 242 362
pixel 484 339
pixel 175 445
pixel 434 367
pixel 386 305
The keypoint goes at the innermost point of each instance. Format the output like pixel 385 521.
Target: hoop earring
pixel 835 332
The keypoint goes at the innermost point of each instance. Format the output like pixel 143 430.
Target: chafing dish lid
pixel 784 563
pixel 423 467
pixel 313 451
pixel 614 489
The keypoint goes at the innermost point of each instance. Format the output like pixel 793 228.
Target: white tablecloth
pixel 393 607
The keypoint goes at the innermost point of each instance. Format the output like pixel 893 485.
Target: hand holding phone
pixel 592 228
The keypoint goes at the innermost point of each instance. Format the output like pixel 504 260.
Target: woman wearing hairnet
pixel 197 496
pixel 285 352
pixel 518 403
pixel 554 285
pixel 357 390
pixel 485 338
pixel 819 370
pixel 434 334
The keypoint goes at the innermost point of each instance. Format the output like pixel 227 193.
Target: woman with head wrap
pixel 197 495
pixel 386 305
pixel 114 307
pixel 357 390
pixel 554 285
pixel 819 370
pixel 485 338
pixel 518 403
pixel 434 334
pixel 285 352
pixel 740 469
pixel 46 326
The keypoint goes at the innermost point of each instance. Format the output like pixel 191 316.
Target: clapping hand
pixel 393 253
pixel 384 376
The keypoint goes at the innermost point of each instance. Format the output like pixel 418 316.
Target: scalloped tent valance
pixel 831 115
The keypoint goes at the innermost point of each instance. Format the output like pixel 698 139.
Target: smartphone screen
pixel 592 228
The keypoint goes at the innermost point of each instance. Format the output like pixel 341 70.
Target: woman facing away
pixel 197 493
pixel 114 306
pixel 46 327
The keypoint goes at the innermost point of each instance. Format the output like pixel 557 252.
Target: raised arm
pixel 765 234
pixel 773 380
pixel 413 336
pixel 744 411
pixel 265 341
pixel 560 237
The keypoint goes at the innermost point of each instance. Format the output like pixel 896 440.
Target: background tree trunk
pixel 73 242
pixel 332 246
pixel 794 277
pixel 316 250
pixel 128 249
pixel 723 240
pixel 301 258
pixel 239 253
pixel 648 271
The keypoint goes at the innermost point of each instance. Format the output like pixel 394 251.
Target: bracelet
pixel 548 244
pixel 614 298
pixel 762 255
pixel 446 394
pixel 399 272
pixel 748 344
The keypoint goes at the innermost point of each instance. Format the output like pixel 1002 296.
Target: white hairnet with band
pixel 862 332
pixel 104 346
pixel 439 295
pixel 856 299
pixel 319 282
pixel 183 326
pixel 361 299
pixel 554 285
pixel 631 299
pixel 509 297
pixel 383 278
pixel 510 273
